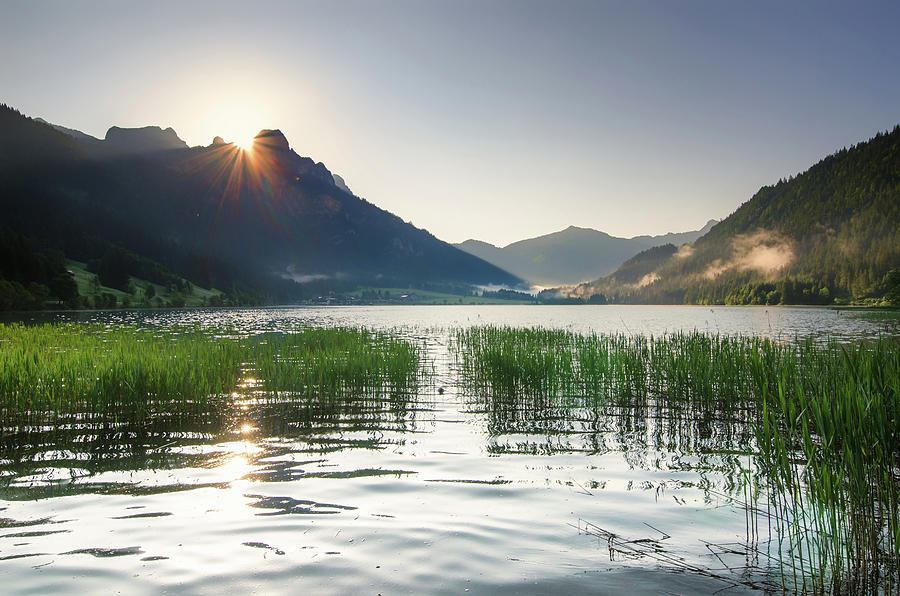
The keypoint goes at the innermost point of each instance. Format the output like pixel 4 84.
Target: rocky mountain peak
pixel 140 140
pixel 271 139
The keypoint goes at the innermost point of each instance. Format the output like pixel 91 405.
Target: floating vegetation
pixel 824 423
pixel 734 573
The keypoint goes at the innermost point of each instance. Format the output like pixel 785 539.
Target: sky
pixel 496 120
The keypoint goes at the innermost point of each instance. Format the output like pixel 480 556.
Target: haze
pixel 490 120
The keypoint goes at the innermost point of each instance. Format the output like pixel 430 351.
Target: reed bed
pixel 696 372
pixel 82 375
pixel 825 421
pixel 829 448
pixel 50 373
pixel 335 363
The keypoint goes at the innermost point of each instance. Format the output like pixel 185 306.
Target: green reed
pixel 336 363
pixel 702 371
pixel 84 374
pixel 55 372
pixel 826 422
pixel 829 442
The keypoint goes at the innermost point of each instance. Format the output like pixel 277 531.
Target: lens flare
pixel 259 170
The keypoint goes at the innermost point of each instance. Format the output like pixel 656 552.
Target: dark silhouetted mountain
pixel 125 141
pixel 639 268
pixel 27 143
pixel 571 256
pixel 831 233
pixel 267 220
pixel 80 137
pixel 271 139
pixel 272 152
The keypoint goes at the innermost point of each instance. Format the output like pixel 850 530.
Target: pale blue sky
pixel 494 120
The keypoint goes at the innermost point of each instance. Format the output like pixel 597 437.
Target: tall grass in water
pixel 56 374
pixel 829 442
pixel 699 372
pixel 334 363
pixel 50 373
pixel 826 420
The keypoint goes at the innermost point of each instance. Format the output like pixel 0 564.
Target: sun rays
pixel 257 168
pixel 237 120
pixel 244 142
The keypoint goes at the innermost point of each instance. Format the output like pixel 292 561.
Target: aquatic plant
pixel 334 362
pixel 824 421
pixel 829 450
pixel 81 374
pixel 54 372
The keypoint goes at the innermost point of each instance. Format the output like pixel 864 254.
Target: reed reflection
pixel 79 402
pixel 806 431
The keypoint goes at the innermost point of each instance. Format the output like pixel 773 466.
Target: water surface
pixel 436 493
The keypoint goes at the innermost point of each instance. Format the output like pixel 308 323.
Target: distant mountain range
pixel 267 222
pixel 573 255
pixel 270 226
pixel 831 234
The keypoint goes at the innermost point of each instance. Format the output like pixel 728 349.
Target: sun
pixel 244 142
pixel 236 123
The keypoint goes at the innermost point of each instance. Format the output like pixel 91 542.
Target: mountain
pixel 677 238
pixel 268 221
pixel 123 141
pixel 80 137
pixel 571 256
pixel 829 234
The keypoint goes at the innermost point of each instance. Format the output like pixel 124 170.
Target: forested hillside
pixel 829 234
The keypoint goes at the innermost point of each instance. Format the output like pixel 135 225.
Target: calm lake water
pixel 438 494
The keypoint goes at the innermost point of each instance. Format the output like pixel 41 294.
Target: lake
pixel 438 494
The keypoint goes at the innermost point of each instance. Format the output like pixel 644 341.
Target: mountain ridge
pixel 120 141
pixel 217 215
pixel 572 255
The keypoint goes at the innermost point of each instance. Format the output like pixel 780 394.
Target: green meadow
pixel 142 293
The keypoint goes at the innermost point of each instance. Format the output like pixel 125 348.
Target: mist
pixel 763 251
